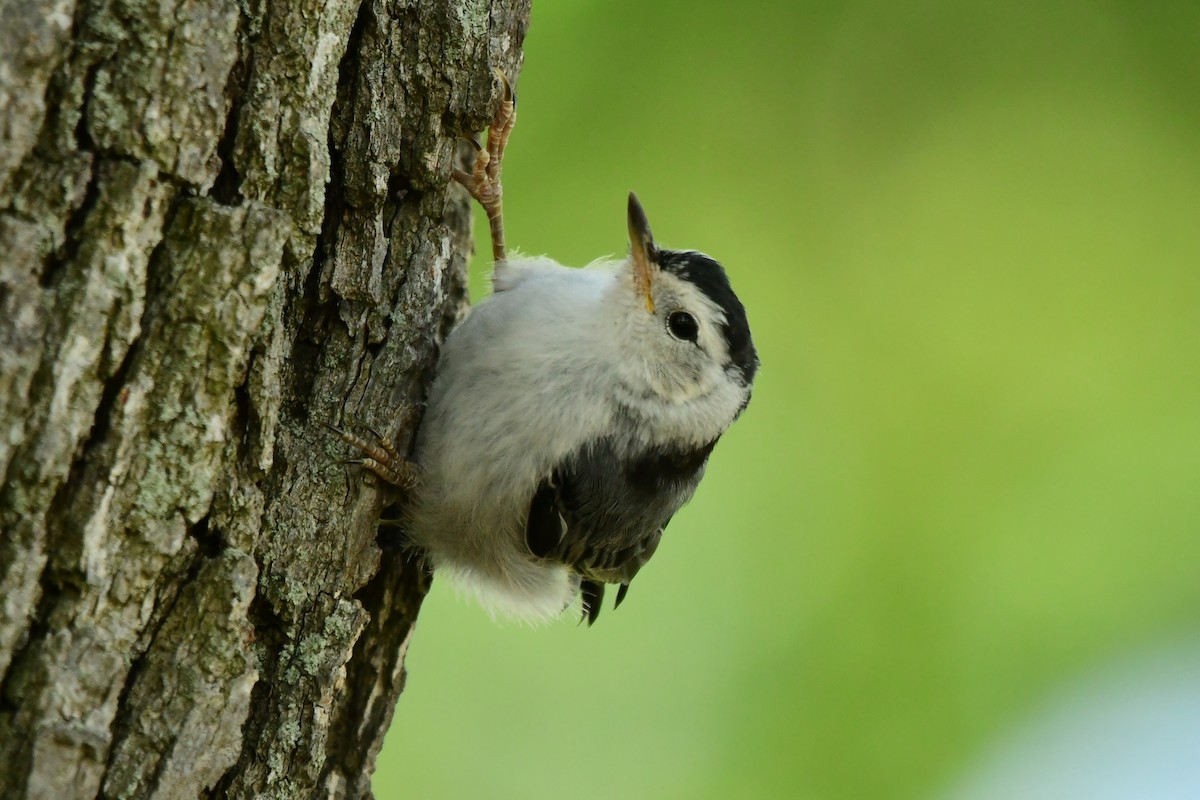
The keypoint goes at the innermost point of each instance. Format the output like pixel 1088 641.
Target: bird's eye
pixel 683 326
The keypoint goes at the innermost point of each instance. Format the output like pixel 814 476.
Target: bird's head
pixel 687 338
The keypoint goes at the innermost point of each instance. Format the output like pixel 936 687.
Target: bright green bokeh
pixel 968 239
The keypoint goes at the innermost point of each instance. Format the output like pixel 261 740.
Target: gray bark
pixel 222 225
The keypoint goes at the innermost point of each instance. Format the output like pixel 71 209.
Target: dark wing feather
pixel 620 595
pixel 544 526
pixel 593 596
pixel 603 515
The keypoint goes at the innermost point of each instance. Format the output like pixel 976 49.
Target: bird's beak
pixel 642 250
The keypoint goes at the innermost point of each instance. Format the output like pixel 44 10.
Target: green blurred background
pixel 967 237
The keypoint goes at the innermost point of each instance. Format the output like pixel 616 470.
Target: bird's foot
pixel 381 457
pixel 483 181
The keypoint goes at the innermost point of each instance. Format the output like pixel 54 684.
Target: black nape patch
pixel 709 277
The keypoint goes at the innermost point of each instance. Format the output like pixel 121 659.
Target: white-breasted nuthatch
pixel 572 414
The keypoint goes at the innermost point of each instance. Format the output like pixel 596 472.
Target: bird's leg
pixel 483 182
pixel 382 458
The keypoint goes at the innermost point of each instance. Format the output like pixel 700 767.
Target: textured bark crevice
pixel 223 226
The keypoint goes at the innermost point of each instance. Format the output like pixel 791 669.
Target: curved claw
pixel 510 94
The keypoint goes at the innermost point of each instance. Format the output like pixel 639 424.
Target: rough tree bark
pixel 223 223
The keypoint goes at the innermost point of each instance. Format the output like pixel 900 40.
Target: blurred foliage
pixel 968 238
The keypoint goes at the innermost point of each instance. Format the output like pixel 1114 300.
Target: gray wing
pixel 603 515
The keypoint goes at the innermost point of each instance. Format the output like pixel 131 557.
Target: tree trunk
pixel 222 226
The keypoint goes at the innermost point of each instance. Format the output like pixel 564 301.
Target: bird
pixel 572 413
